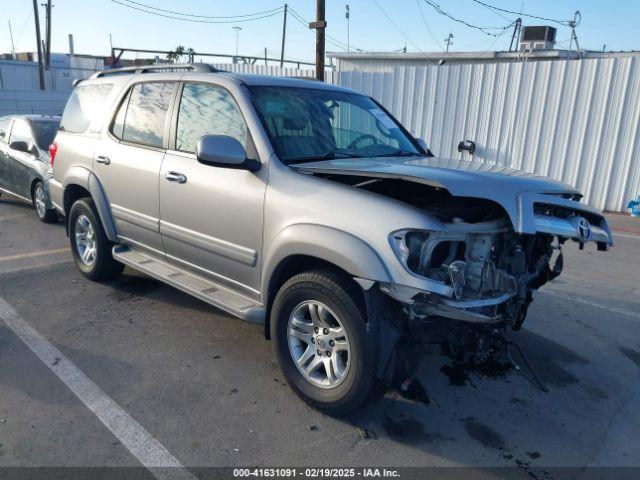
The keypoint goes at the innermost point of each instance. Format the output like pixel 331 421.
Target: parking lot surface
pixel 206 387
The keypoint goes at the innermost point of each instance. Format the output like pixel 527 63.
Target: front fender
pixel 329 244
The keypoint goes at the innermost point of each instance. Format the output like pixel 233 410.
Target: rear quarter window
pixel 85 104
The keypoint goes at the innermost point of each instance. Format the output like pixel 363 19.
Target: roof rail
pixel 161 67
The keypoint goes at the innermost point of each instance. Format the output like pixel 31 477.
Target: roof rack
pixel 162 67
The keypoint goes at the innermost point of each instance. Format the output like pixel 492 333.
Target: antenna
pixel 577 18
pixel 449 40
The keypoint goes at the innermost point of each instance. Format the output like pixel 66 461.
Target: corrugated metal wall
pixel 576 121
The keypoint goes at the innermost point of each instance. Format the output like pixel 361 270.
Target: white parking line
pixel 19 256
pixel 591 303
pixel 148 450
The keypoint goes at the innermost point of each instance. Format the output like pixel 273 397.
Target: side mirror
pixel 224 152
pixel 19 146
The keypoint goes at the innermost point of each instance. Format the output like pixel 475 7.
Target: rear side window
pixel 142 115
pixel 4 128
pixel 45 132
pixel 85 104
pixel 207 110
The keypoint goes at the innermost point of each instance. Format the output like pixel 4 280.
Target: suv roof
pixel 199 69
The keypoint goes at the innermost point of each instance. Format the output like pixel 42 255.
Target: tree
pixel 176 54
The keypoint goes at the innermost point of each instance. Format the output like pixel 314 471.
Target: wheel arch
pixel 306 247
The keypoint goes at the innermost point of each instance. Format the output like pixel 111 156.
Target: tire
pixel 44 214
pixel 335 298
pixel 84 220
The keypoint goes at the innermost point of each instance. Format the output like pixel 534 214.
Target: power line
pixel 402 32
pixel 193 20
pixel 484 30
pixel 334 41
pixel 151 7
pixel 424 20
pixel 560 22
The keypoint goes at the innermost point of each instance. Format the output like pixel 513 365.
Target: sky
pixel 411 23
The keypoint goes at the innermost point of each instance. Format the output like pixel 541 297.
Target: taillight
pixel 53 149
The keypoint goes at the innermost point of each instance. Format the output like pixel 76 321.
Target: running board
pixel 207 291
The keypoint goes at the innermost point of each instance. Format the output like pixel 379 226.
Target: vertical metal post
pixel 47 61
pixel 13 47
pixel 38 44
pixel 320 26
pixel 265 57
pixel 284 34
pixel 348 17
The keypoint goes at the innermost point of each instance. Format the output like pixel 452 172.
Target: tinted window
pixel 141 118
pixel 4 126
pixel 85 104
pixel 21 132
pixel 45 132
pixel 207 110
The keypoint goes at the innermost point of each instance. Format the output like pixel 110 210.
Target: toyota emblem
pixel 584 228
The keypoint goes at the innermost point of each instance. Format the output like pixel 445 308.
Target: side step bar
pixel 207 291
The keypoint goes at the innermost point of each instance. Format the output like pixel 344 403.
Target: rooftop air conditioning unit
pixel 537 38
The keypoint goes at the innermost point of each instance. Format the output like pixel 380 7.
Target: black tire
pixel 341 295
pixel 104 267
pixel 49 215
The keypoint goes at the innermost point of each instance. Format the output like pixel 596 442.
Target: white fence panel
pixel 576 121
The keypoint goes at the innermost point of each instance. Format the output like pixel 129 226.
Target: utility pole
pixel 284 34
pixel 449 40
pixel 237 30
pixel 516 29
pixel 47 58
pixel 347 15
pixel 13 47
pixel 38 44
pixel 265 57
pixel 319 26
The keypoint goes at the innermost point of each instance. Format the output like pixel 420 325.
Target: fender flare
pixel 337 247
pixel 84 178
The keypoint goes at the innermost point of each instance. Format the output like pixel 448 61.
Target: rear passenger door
pixel 211 221
pixel 19 165
pixel 127 162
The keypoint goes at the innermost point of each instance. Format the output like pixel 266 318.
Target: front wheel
pixel 318 327
pixel 90 246
pixel 46 215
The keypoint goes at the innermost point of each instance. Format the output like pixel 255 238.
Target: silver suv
pixel 308 208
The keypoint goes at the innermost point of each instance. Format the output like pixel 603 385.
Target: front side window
pixel 85 104
pixel 142 115
pixel 312 124
pixel 207 110
pixel 21 132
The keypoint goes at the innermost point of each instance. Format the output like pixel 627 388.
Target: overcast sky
pixel 418 25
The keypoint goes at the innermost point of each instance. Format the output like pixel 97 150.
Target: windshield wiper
pixel 326 156
pixel 401 153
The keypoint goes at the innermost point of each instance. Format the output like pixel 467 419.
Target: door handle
pixel 103 160
pixel 176 177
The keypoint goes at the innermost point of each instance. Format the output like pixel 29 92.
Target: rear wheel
pixel 318 329
pixel 46 215
pixel 90 246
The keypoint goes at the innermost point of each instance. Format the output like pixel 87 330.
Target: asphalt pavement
pixel 113 374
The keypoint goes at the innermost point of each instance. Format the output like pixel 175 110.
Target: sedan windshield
pixel 311 124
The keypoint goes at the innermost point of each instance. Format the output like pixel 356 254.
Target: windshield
pixel 311 124
pixel 45 132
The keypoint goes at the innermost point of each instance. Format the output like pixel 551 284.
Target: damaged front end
pixel 488 271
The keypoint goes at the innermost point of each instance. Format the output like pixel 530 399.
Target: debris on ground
pixel 312 427
pixel 367 434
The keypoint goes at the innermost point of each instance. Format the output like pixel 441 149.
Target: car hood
pixel 516 191
pixel 459 177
